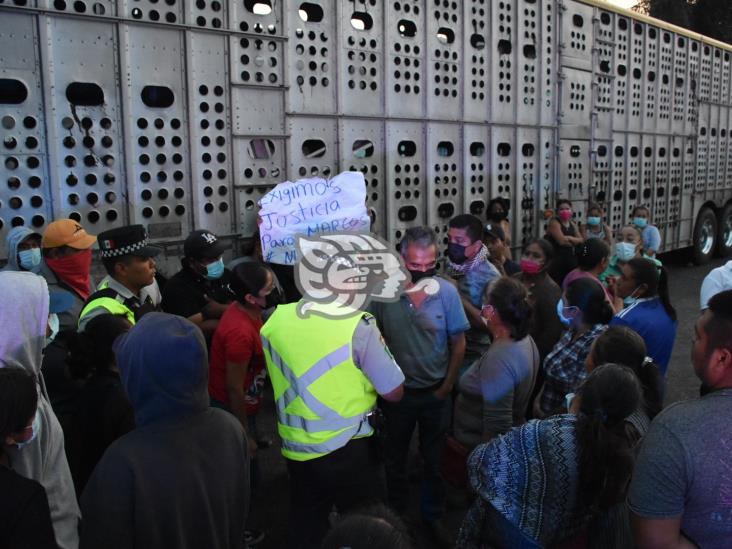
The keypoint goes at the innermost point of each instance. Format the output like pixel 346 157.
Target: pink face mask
pixel 565 215
pixel 530 267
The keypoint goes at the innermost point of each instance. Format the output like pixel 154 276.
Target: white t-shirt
pixel 718 280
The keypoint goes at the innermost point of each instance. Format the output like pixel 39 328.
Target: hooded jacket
pixel 181 477
pixel 23 321
pixel 14 238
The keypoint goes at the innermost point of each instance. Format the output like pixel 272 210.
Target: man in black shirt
pixel 200 290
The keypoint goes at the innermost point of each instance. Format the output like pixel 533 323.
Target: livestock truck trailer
pixel 182 114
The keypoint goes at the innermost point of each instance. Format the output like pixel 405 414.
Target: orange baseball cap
pixel 67 232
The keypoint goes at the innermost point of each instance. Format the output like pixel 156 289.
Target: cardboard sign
pixel 310 207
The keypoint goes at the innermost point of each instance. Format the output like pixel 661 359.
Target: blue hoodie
pixel 181 477
pixel 164 368
pixel 15 236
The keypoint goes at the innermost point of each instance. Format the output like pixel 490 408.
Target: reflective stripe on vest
pixel 327 404
pixel 114 306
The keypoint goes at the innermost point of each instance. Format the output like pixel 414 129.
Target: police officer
pixel 128 259
pixel 326 373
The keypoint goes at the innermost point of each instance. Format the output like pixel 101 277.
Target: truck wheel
pixel 705 236
pixel 724 238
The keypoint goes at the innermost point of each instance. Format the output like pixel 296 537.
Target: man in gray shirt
pixel 425 329
pixel 681 492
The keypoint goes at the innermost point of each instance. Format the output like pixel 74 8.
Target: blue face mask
pixel 594 221
pixel 563 312
pixel 625 251
pixel 640 222
pixel 30 259
pixel 215 270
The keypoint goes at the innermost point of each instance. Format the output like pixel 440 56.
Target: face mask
pixel 627 301
pixel 568 398
pixel 497 216
pixel 272 299
pixel 456 253
pixel 640 222
pixel 419 275
pixel 530 267
pixel 562 312
pixel 215 270
pixel 34 432
pixel 625 251
pixel 565 215
pixel 53 323
pixel 30 259
pixel 594 221
pixel 74 271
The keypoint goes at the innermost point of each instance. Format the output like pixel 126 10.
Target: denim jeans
pixel 430 416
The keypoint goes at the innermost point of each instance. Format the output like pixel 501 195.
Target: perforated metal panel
pixel 361 142
pixel 26 191
pixel 210 135
pixel 311 64
pixel 84 122
pixel 183 114
pixel 476 148
pixel 404 57
pixel 444 167
pixel 361 43
pixel 405 156
pixel 156 139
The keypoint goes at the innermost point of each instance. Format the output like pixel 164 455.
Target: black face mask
pixel 419 275
pixel 273 299
pixel 497 216
pixel 456 253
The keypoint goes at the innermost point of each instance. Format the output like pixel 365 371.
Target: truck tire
pixel 705 236
pixel 724 232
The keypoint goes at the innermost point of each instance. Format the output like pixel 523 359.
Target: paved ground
pixel 270 506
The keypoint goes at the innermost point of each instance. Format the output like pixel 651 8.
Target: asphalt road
pixel 269 508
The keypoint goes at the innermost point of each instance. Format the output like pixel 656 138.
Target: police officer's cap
pixel 128 240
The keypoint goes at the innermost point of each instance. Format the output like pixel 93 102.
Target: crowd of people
pixel 534 381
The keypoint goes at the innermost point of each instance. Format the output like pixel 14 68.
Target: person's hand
pixel 443 392
pixel 612 282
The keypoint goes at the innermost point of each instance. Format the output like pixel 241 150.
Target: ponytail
pixel 655 277
pixel 663 292
pixel 623 345
pixel 609 394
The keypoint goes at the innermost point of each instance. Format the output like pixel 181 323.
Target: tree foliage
pixel 712 18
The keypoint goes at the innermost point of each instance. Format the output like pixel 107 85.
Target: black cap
pixel 203 243
pixel 128 240
pixel 495 230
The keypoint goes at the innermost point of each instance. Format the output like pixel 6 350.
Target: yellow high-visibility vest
pixel 109 299
pixel 322 397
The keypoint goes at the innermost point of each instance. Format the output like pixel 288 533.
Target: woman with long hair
pixel 643 288
pixel 563 234
pixel 593 257
pixel 495 391
pixel 542 483
pixel 586 313
pixel 544 327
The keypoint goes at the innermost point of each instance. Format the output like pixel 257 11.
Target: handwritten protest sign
pixel 310 207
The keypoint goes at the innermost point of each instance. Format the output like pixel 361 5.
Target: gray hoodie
pixel 12 240
pixel 23 320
